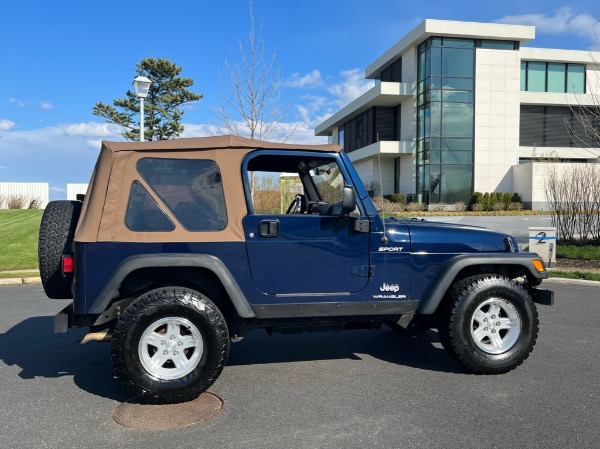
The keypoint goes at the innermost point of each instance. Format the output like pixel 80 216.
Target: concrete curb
pixel 20 281
pixel 566 281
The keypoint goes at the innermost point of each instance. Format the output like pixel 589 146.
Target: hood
pixel 437 237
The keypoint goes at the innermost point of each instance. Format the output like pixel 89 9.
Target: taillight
pixel 67 264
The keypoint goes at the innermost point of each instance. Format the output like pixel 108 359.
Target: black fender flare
pixel 212 263
pixel 434 294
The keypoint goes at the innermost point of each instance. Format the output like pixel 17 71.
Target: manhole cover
pixel 170 416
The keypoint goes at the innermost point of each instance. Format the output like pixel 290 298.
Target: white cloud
pixel 564 21
pixel 352 87
pixel 310 80
pixel 6 124
pixel 17 103
pixel 192 130
pixel 91 129
pixel 46 105
pixel 2 167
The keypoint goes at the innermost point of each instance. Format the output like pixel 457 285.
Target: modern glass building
pixel 459 107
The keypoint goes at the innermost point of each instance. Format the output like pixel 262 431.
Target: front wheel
pixel 170 345
pixel 489 323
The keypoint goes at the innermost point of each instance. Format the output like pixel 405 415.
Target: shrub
pixel 476 198
pixel 17 202
pixel 486 201
pixel 515 198
pixel 437 207
pixel 515 205
pixel 396 198
pixel 498 206
pixel 459 206
pixel 416 207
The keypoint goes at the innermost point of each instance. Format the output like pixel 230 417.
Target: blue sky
pixel 59 58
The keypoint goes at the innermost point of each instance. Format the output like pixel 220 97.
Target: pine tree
pixel 162 108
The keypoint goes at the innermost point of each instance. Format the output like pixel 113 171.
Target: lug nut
pixel 175 353
pixel 165 352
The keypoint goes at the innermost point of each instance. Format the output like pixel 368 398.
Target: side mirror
pixel 348 199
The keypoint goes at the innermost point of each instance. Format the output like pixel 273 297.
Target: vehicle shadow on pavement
pixel 32 346
pixel 421 351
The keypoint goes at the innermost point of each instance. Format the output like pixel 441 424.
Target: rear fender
pixel 212 263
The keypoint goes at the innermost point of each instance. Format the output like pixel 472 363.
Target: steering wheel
pixel 295 205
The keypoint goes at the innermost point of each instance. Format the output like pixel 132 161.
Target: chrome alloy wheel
pixel 170 348
pixel 495 326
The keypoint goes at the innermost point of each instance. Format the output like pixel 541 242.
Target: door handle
pixel 269 228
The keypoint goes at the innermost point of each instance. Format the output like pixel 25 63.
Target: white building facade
pixel 462 107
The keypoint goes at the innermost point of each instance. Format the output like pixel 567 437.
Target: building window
pixel 498 45
pixel 393 73
pixel 576 78
pixel 374 125
pixel 555 126
pixel 555 77
pixel 445 120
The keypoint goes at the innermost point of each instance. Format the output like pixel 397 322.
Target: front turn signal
pixel 538 265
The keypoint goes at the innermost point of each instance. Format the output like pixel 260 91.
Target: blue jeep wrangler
pixel 173 253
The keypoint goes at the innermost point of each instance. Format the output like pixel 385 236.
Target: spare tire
pixel 56 234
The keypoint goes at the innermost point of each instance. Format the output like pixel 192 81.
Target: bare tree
pixel 248 103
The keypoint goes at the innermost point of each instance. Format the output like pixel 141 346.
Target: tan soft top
pixel 105 204
pixel 213 143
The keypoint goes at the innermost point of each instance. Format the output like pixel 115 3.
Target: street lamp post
pixel 141 85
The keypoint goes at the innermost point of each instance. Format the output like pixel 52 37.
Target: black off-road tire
pixel 57 230
pixel 482 344
pixel 149 370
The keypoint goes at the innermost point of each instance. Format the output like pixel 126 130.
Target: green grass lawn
pixel 588 252
pixel 18 238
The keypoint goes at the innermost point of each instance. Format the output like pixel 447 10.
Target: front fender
pixel 451 269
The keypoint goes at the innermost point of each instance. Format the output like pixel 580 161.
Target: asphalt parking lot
pixel 323 390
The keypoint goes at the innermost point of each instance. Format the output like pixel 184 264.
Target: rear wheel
pixel 489 324
pixel 57 230
pixel 170 345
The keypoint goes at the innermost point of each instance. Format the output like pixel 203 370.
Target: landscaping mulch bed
pixel 578 264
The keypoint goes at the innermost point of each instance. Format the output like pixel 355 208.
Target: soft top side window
pixel 192 189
